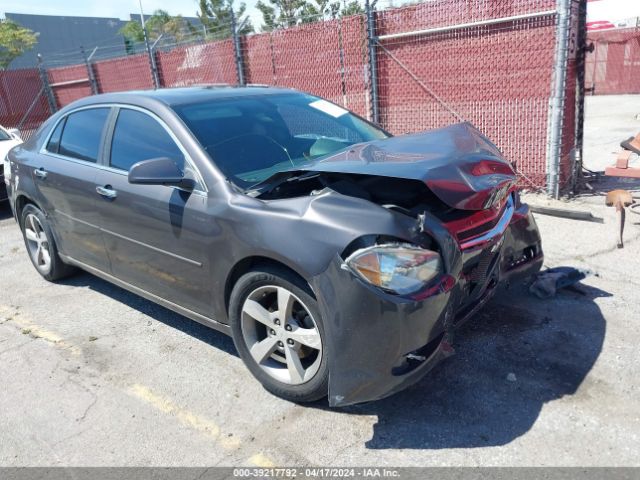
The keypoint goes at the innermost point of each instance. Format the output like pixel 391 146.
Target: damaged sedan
pixel 338 257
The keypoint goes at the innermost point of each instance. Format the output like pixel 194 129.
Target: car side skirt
pixel 206 321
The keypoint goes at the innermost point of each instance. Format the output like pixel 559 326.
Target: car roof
pixel 182 95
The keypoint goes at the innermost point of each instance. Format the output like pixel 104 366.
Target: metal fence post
pixel 556 103
pixel 152 57
pixel 581 56
pixel 372 39
pixel 51 99
pixel 90 72
pixel 342 66
pixel 237 49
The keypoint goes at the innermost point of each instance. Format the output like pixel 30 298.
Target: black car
pixel 338 257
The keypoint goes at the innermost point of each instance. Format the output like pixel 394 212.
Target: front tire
pixel 278 332
pixel 41 245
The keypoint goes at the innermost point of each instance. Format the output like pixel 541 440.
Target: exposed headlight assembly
pixel 398 268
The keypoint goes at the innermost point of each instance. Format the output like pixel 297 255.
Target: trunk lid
pixel 460 166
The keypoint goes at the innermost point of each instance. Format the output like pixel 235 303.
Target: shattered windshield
pixel 252 138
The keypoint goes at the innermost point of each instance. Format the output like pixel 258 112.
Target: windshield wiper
pixel 274 181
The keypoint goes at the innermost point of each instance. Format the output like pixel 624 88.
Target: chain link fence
pixel 507 66
pixel 613 66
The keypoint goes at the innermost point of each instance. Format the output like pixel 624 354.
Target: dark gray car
pixel 339 258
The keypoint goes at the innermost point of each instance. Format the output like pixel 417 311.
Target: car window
pixel 137 137
pixel 82 133
pixel 54 140
pixel 4 135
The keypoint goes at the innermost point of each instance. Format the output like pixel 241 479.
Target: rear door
pixel 157 237
pixel 65 174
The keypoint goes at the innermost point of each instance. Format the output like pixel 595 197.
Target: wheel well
pixel 251 263
pixel 21 202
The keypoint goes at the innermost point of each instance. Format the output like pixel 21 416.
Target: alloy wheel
pixel 37 243
pixel 281 335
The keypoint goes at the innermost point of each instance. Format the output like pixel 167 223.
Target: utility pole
pixel 152 58
pixel 235 31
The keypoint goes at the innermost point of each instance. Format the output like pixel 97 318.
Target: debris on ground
pixel 511 377
pixel 619 199
pixel 549 281
pixel 563 213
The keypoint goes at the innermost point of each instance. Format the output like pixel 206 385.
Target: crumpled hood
pixel 458 164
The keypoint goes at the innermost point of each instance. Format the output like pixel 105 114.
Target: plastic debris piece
pixel 511 377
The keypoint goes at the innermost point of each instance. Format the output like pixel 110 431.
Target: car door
pixel 157 237
pixel 64 173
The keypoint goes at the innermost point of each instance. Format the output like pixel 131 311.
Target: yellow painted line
pixel 187 418
pixel 29 327
pixel 262 461
pixel 163 404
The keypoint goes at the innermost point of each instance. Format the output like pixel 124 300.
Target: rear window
pixel 82 133
pixel 4 135
pixel 54 140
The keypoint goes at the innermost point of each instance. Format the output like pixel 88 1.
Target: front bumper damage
pixel 381 343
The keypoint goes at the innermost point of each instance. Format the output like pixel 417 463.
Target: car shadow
pixel 514 356
pixel 153 310
pixel 5 210
pixel 600 185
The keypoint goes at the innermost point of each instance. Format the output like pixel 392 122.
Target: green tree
pixel 132 32
pixel 281 13
pixel 287 13
pixel 160 23
pixel 316 10
pixel 14 41
pixel 215 16
pixel 351 8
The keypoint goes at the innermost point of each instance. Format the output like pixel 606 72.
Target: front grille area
pixel 482 228
pixel 478 271
pixel 469 225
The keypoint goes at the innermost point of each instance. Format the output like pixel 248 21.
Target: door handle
pixel 40 173
pixel 107 191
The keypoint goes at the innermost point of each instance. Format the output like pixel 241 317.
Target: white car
pixel 9 138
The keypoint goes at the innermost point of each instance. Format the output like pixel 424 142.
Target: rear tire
pixel 41 245
pixel 278 332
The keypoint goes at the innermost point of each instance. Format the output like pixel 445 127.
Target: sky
pixel 111 8
pixel 597 9
pixel 611 10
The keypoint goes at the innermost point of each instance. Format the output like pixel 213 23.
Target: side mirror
pixel 159 171
pixel 15 133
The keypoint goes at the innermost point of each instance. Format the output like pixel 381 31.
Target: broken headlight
pixel 399 268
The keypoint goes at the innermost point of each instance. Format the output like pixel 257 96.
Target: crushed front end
pixel 381 343
pixel 448 191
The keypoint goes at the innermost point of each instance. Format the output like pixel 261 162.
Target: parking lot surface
pixel 95 376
